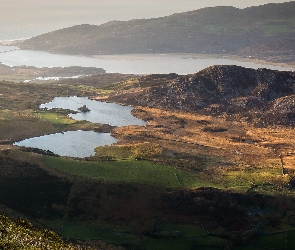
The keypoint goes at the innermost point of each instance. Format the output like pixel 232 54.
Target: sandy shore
pixel 193 56
pixel 139 57
pixel 11 42
pixel 135 57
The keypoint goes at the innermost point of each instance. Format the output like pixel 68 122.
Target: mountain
pixel 281 50
pixel 208 30
pixel 263 95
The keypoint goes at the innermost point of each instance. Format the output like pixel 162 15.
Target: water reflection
pixel 72 143
pixel 100 112
pixel 82 143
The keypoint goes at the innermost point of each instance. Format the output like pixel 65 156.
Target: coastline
pixel 140 57
pixel 194 56
pixel 11 42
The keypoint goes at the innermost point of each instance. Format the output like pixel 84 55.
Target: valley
pixel 194 178
pixel 188 123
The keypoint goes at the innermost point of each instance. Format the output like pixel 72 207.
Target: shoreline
pixel 193 56
pixel 140 57
pixel 11 42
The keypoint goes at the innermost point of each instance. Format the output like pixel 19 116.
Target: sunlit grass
pixel 130 171
pixel 22 124
pixel 147 172
pixel 56 119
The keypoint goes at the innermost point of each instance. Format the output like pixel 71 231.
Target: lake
pixel 82 143
pixel 72 143
pixel 100 112
pixel 125 64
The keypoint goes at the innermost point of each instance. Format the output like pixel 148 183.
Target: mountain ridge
pixel 208 30
pixel 262 96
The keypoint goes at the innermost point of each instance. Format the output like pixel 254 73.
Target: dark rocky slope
pixel 262 95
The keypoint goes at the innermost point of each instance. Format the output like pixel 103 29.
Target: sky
pixel 26 18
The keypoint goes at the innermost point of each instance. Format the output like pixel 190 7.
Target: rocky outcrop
pixel 261 95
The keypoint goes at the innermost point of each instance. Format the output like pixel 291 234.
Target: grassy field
pixel 169 236
pixel 272 28
pixel 18 125
pixel 130 171
pixel 176 236
pixel 55 118
pixel 275 241
pixel 134 170
pixel 23 124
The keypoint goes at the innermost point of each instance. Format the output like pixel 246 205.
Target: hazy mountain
pixel 24 19
pixel 208 30
pixel 281 50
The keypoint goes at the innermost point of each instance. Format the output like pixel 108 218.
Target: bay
pixel 126 64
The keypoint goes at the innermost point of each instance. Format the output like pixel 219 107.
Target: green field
pixel 55 118
pixel 168 236
pixel 131 171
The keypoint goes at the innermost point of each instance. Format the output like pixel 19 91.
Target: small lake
pixel 100 112
pixel 125 64
pixel 82 143
pixel 72 143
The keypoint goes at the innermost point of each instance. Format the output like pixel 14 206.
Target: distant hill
pixel 282 50
pixel 208 30
pixel 261 96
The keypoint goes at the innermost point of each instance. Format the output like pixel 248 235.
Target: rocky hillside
pixel 282 50
pixel 20 234
pixel 208 30
pixel 262 95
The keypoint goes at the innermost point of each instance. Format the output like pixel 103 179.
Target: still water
pixel 100 112
pixel 72 143
pixel 125 64
pixel 82 143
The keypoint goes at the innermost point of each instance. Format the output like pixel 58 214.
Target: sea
pixel 127 64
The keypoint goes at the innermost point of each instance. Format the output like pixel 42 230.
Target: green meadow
pixel 129 170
